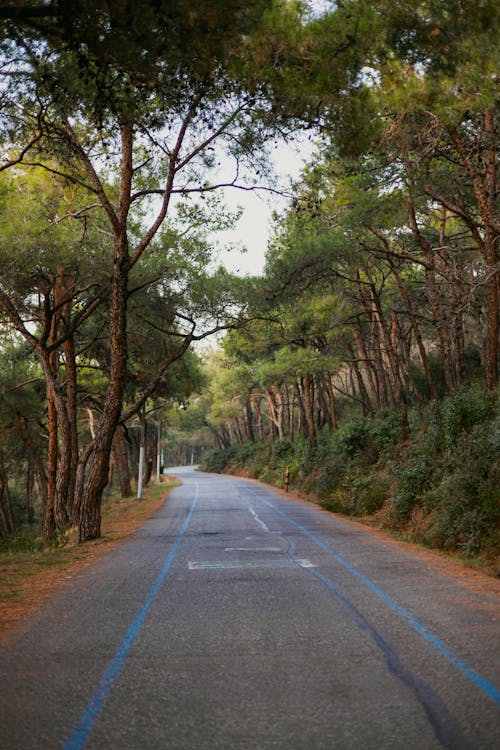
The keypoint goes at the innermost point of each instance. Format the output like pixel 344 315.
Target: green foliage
pixel 217 460
pixel 352 437
pixel 282 451
pixel 448 473
pixel 369 492
pixel 330 477
pixel 464 410
pixel 385 431
pixel 466 502
pixel 415 471
pixel 26 540
pixel 413 479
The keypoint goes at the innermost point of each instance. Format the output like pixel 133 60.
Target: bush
pixel 281 453
pixel 352 437
pixel 369 492
pixel 413 479
pixel 466 502
pixel 462 411
pixel 217 460
pixel 27 540
pixel 331 476
pixel 384 430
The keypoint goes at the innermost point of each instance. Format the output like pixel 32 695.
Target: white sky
pixel 253 228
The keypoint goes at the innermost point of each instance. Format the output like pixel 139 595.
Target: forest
pixel 361 366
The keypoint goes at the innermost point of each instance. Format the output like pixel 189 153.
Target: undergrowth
pixel 438 488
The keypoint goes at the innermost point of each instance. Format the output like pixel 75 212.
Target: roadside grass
pixel 28 576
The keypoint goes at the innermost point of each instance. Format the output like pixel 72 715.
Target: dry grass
pixel 28 579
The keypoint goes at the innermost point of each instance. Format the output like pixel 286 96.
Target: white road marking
pixel 253 549
pixel 257 518
pixel 236 564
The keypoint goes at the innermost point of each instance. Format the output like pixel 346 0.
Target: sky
pixel 253 229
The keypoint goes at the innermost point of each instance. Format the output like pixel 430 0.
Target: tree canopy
pixel 113 119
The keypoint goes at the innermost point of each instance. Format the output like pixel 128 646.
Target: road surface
pixel 239 619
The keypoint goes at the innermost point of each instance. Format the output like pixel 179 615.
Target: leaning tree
pixel 134 105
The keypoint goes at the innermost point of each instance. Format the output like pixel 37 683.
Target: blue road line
pixel 82 730
pixel 487 687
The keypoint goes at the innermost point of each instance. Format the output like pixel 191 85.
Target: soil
pixel 28 579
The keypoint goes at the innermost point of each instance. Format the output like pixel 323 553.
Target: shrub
pixel 27 540
pixel 369 492
pixel 331 476
pixel 462 411
pixel 352 437
pixel 282 452
pixel 305 458
pixel 384 430
pixel 466 502
pixel 413 478
pixel 217 460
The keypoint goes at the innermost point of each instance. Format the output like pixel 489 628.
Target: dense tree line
pixel 381 284
pixel 382 281
pixel 111 113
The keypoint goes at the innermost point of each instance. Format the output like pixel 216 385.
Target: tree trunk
pixel 237 432
pixel 416 330
pixel 375 347
pixel 491 257
pixel 280 411
pixel 301 420
pixel 395 374
pixel 258 412
pixel 331 398
pixel 71 405
pixel 354 367
pixel 30 483
pixel 249 421
pixel 49 516
pixel 485 190
pixel 370 372
pixel 433 298
pixel 98 461
pixel 273 414
pixel 148 471
pixel 120 454
pixel 308 398
pixel 5 499
pixel 290 408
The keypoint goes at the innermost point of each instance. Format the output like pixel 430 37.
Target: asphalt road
pixel 240 619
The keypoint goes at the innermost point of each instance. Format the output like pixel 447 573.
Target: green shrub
pixel 352 437
pixel 462 411
pixel 413 480
pixel 466 501
pixel 281 453
pixel 217 460
pixel 331 476
pixel 27 540
pixel 305 458
pixel 246 452
pixel 369 492
pixel 384 430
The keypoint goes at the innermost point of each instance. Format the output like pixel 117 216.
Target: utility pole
pixel 158 451
pixel 141 452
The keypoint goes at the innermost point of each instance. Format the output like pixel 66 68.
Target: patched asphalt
pixel 237 618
